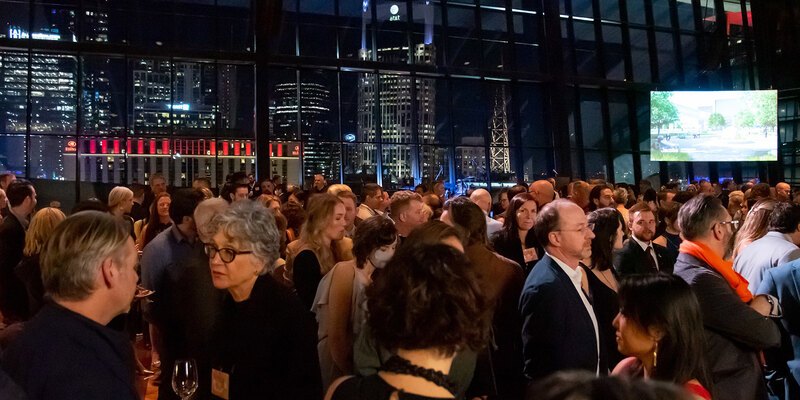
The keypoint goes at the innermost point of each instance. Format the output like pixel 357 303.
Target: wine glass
pixel 184 378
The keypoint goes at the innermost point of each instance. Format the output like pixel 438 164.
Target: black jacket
pixel 630 259
pixel 734 333
pixel 64 355
pixel 268 345
pixel 557 331
pixel 509 246
pixel 13 298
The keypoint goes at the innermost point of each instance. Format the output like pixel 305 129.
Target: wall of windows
pixel 475 92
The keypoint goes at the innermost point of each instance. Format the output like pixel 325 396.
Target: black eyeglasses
pixel 225 254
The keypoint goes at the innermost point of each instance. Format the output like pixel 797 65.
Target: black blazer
pixel 557 331
pixel 509 246
pixel 13 297
pixel 630 259
pixel 734 333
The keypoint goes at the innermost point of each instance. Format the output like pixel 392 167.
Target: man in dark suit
pixel 640 255
pixel 736 324
pixel 66 351
pixel 559 329
pixel 13 298
pixel 783 282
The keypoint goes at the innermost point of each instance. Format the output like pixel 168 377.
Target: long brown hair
pixel 153 222
pixel 319 215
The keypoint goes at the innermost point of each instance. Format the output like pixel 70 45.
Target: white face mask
pixel 380 257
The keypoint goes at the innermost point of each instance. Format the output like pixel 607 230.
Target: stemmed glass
pixel 184 378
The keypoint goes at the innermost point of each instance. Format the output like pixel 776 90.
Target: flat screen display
pixel 714 126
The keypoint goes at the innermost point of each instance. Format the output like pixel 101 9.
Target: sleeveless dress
pixel 372 387
pixel 358 303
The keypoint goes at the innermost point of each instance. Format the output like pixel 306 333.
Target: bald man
pixel 580 194
pixel 783 192
pixel 483 199
pixel 543 192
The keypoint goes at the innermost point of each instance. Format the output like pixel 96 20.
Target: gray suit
pixel 773 249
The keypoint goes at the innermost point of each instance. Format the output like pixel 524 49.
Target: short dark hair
pixel 431 286
pixel 470 218
pixel 697 216
pixel 370 190
pixel 138 189
pixel 371 234
pixel 18 191
pixel 516 189
pixel 547 220
pixel 683 196
pixel 606 222
pixel 639 208
pixel 184 201
pixel 650 195
pixel 669 211
pixel 666 302
pixel 785 217
pixel 597 190
pixel 295 216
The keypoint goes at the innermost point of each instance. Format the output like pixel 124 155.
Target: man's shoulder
pixel 543 275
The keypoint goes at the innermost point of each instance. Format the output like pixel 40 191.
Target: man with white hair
pixel 66 351
pixel 483 199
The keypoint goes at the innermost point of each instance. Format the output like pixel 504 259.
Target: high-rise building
pixel 307 110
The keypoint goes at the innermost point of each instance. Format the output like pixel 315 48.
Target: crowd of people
pixel 588 290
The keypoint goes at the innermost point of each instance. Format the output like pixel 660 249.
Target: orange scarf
pixel 725 268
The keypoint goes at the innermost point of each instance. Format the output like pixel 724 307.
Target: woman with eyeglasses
pixel 265 344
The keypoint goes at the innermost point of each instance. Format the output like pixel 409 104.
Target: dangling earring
pixel 655 354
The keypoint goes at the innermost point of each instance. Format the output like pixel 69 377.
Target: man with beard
pixel 736 324
pixel 640 255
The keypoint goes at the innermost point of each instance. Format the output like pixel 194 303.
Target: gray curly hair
pixel 250 225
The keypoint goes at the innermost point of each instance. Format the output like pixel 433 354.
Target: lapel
pixel 569 291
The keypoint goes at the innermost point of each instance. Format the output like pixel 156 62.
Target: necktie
pixel 651 260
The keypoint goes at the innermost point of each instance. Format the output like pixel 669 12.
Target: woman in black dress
pixel 517 240
pixel 425 306
pixel 601 277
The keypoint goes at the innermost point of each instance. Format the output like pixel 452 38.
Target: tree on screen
pixel 662 111
pixel 766 105
pixel 716 121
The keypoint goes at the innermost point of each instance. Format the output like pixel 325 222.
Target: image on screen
pixel 714 126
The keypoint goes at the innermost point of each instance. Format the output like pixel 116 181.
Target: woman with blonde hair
pixel 755 225
pixel 321 245
pixel 120 203
pixel 42 225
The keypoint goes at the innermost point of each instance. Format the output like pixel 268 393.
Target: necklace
pixel 399 365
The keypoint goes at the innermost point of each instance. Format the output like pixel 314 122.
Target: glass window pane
pixel 661 15
pixel 623 168
pixel 685 15
pixel 701 171
pixel 236 100
pixel 232 156
pixel 434 163
pixel 690 60
pixel 322 158
pixel 640 55
pixel 55 21
pixel 53 94
pixel 395 110
pixel 469 112
pixel 101 159
pixel 12 159
pixel 501 165
pixel 463 46
pixel 14 17
pixel 355 25
pixel 14 86
pixel 585 49
pixel 194 98
pixel 636 14
pixel 596 165
pixel 399 165
pixel 48 158
pixel 536 164
pixel 319 109
pixel 531 114
pixel 592 120
pixel 152 96
pixel 676 171
pixel 317 34
pixel 284 106
pixel 427 33
pixel 667 63
pixel 104 105
pixel 470 166
pixel 609 10
pixel 614 59
pixel 360 164
pixel 359 111
pixel 618 120
pixel 652 169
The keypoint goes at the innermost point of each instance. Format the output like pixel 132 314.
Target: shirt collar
pixel 575 275
pixel 777 234
pixel 178 235
pixel 643 245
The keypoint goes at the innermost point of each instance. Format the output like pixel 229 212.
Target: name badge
pixel 220 384
pixel 530 255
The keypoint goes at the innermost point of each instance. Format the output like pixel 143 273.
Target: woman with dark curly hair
pixel 428 287
pixel 660 327
pixel 340 303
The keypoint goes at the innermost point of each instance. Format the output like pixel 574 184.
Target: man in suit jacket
pixel 640 255
pixel 783 282
pixel 559 326
pixel 736 324
pixel 778 246
pixel 13 298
